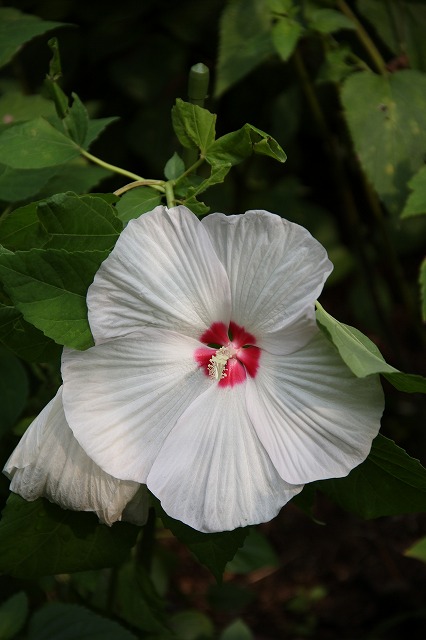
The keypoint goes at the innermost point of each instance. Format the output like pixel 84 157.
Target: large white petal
pixel 49 462
pixel 123 397
pixel 212 472
pixel 314 417
pixel 276 271
pixel 163 272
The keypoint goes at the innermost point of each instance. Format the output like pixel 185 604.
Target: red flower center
pixel 230 354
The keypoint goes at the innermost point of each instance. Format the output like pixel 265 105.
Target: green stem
pixel 170 195
pixel 109 166
pixel 364 38
pixel 192 169
pixel 155 184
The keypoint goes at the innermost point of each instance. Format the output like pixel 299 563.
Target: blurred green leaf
pixel 34 145
pixel 255 553
pixel 329 21
pixel 16 28
pixel 78 223
pixel 387 122
pixel 13 614
pixel 245 41
pixel 49 288
pixel 237 630
pixel 39 538
pixel 192 625
pixel 213 550
pixel 416 203
pixel 389 482
pixel 193 125
pixel 285 35
pixel 13 390
pixel 417 550
pixel 135 202
pixel 363 357
pixel 401 26
pixel 17 185
pixel 57 621
pixel 137 602
pixel 16 106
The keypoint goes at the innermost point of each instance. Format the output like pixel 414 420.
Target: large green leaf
pixel 79 223
pixel 245 41
pixel 21 229
pixel 13 390
pixel 39 538
pixel 59 621
pixel 18 185
pixel 49 288
pixel 16 106
pixel 387 122
pixel 16 28
pixel 363 357
pixel 389 482
pixel 24 339
pixel 35 144
pixel 214 550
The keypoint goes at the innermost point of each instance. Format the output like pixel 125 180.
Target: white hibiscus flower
pixel 209 381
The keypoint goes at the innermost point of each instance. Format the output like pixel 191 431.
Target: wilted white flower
pixel 209 381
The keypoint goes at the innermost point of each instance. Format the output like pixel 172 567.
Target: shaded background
pixel 339 577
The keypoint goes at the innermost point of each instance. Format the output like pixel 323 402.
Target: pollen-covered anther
pixel 217 363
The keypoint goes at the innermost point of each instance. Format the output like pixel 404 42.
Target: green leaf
pixel 387 122
pixel 193 125
pixel 13 613
pixel 416 203
pixel 49 288
pixel 362 356
pixel 245 41
pixel 417 550
pixel 57 621
pixel 79 223
pixel 78 176
pixel 16 28
pixel 389 482
pixel 213 550
pixel 137 601
pixel 13 390
pixel 192 625
pixel 39 538
pixel 35 144
pixel 21 229
pixel 236 146
pixel 285 35
pixel 174 168
pixel 237 630
pixel 329 21
pixel 135 202
pixel 76 121
pixel 255 553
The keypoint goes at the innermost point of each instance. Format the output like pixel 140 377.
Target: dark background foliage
pixel 343 578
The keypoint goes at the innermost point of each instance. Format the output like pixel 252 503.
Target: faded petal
pixel 315 419
pixel 49 462
pixel 276 271
pixel 123 397
pixel 163 272
pixel 212 472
